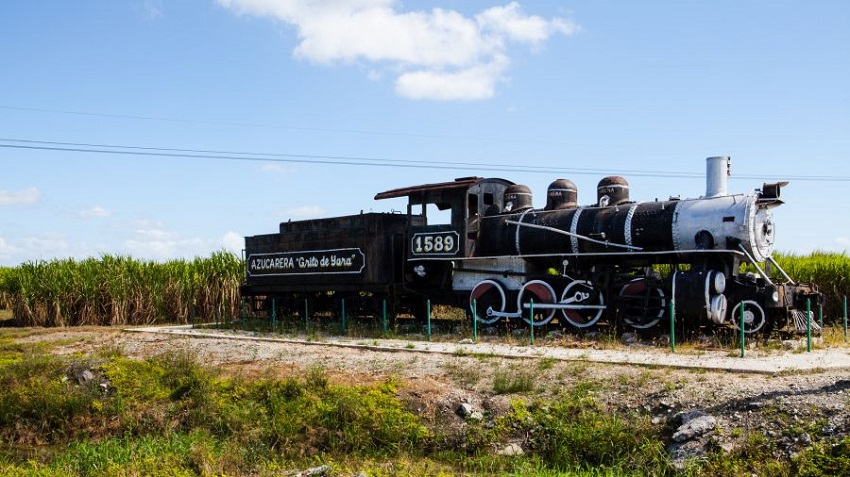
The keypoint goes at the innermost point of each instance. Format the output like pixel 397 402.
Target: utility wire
pixel 308 158
pixel 249 125
pixel 146 151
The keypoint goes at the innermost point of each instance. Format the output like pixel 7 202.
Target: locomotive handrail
pixel 570 234
pixel 755 264
pixel 781 270
pixel 586 254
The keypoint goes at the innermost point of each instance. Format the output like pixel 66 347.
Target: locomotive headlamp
pixel 769 196
pixel 772 296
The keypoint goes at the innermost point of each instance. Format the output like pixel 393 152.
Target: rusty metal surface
pixel 460 183
pixel 561 194
pixel 350 252
pixel 615 188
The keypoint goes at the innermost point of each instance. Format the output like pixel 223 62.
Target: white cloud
pixel 438 54
pixel 95 212
pixel 141 224
pixel 154 242
pixel 842 243
pixel 24 197
pixel 47 245
pixel 275 168
pixel 156 234
pixel 162 245
pixel 233 242
pixel 304 211
pixel 152 249
pixel 151 9
pixel 6 250
pixel 470 84
pixel 510 21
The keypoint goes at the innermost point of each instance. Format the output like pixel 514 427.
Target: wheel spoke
pixel 489 297
pixel 541 292
pixel 581 292
pixel 641 306
pixel 754 316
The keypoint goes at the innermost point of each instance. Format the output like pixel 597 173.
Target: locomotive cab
pixel 434 244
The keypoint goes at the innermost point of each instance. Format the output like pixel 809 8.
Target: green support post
pixel 243 309
pixel 274 315
pixel 845 318
pixel 306 315
pixel 342 312
pixel 820 316
pixel 384 318
pixel 428 319
pixel 742 330
pixel 672 325
pixel 531 319
pixel 809 325
pixel 475 322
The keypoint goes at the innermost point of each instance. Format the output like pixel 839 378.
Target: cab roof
pixel 430 191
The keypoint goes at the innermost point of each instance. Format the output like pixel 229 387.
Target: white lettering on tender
pixel 302 263
pixel 277 263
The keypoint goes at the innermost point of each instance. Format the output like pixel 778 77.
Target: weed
pixel 575 369
pixel 467 374
pixel 513 380
pixel 823 459
pixel 546 363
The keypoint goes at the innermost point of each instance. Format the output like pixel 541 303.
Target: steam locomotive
pixel 490 251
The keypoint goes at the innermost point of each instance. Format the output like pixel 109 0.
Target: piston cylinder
pixel 700 293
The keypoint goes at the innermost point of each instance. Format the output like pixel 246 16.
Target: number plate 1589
pixel 435 243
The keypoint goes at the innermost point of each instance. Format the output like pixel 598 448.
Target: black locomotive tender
pixel 618 261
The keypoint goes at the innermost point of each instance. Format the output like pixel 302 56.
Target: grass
pixel 515 379
pixel 116 290
pixel 106 414
pixel 169 415
pixel 465 373
pixel 546 363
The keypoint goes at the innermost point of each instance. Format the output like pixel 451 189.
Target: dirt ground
pixel 794 408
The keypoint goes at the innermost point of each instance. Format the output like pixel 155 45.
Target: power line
pixel 148 151
pixel 57 146
pixel 245 124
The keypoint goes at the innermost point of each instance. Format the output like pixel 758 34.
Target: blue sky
pixel 412 92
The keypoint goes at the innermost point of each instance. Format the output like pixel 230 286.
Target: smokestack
pixel 717 172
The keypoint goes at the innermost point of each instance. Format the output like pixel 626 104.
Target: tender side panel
pixel 353 253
